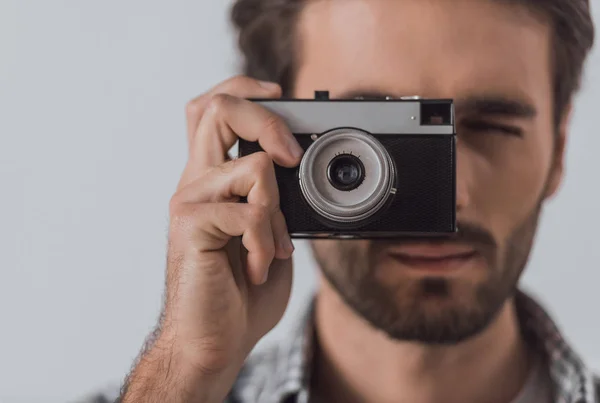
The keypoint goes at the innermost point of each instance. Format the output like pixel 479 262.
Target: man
pixel 403 321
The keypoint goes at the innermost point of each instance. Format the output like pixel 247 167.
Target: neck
pixel 357 363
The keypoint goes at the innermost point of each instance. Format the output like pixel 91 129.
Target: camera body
pixel 371 168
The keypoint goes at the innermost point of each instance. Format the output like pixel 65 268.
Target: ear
pixel 557 166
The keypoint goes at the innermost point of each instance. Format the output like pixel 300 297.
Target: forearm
pixel 166 376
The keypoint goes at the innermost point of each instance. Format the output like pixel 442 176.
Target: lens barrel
pixel 347 175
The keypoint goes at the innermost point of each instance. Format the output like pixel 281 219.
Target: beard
pixel 432 310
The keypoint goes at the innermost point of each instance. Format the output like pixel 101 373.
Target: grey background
pixel 92 142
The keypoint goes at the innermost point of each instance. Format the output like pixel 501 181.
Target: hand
pixel 229 268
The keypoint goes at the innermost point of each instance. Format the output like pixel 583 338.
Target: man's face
pixel 493 59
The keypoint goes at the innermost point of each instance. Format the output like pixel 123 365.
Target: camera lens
pixel 341 186
pixel 346 172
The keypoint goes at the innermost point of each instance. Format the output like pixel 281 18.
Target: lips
pixel 433 257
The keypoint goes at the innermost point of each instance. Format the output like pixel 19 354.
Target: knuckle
pixel 257 214
pixel 261 162
pixel 273 124
pixel 218 103
pixel 227 167
pixel 193 108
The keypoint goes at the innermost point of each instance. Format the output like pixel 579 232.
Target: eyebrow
pixel 474 105
pixel 495 106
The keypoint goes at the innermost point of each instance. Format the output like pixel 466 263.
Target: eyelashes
pixel 482 127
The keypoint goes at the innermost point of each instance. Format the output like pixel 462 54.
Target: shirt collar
pixel 573 381
pixel 295 357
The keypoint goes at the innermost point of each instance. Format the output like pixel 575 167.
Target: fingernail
pixel 294 147
pixel 267 85
pixel 287 244
pixel 265 277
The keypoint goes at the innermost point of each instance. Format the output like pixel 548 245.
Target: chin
pixel 429 310
pixel 424 294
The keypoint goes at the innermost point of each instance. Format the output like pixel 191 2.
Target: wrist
pixel 169 374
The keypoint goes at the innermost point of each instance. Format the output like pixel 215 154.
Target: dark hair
pixel 268 44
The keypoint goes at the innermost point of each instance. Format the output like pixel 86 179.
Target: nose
pixel 463 179
pixel 462 196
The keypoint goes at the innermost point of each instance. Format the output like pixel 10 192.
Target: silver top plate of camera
pixel 381 117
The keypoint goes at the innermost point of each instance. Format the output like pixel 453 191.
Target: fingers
pixel 226 118
pixel 209 184
pixel 259 242
pixel 253 177
pixel 217 119
pixel 212 225
pixel 239 86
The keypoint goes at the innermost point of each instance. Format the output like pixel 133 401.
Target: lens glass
pixel 346 172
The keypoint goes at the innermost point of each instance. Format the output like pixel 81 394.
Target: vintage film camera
pixel 381 168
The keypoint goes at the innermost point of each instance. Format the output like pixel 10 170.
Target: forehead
pixel 431 48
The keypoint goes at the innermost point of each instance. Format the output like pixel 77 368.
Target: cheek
pixel 506 176
pixel 334 252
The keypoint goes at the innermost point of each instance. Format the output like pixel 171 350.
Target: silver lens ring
pixel 347 206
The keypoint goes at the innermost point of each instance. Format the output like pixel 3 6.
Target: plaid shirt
pixel 281 374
